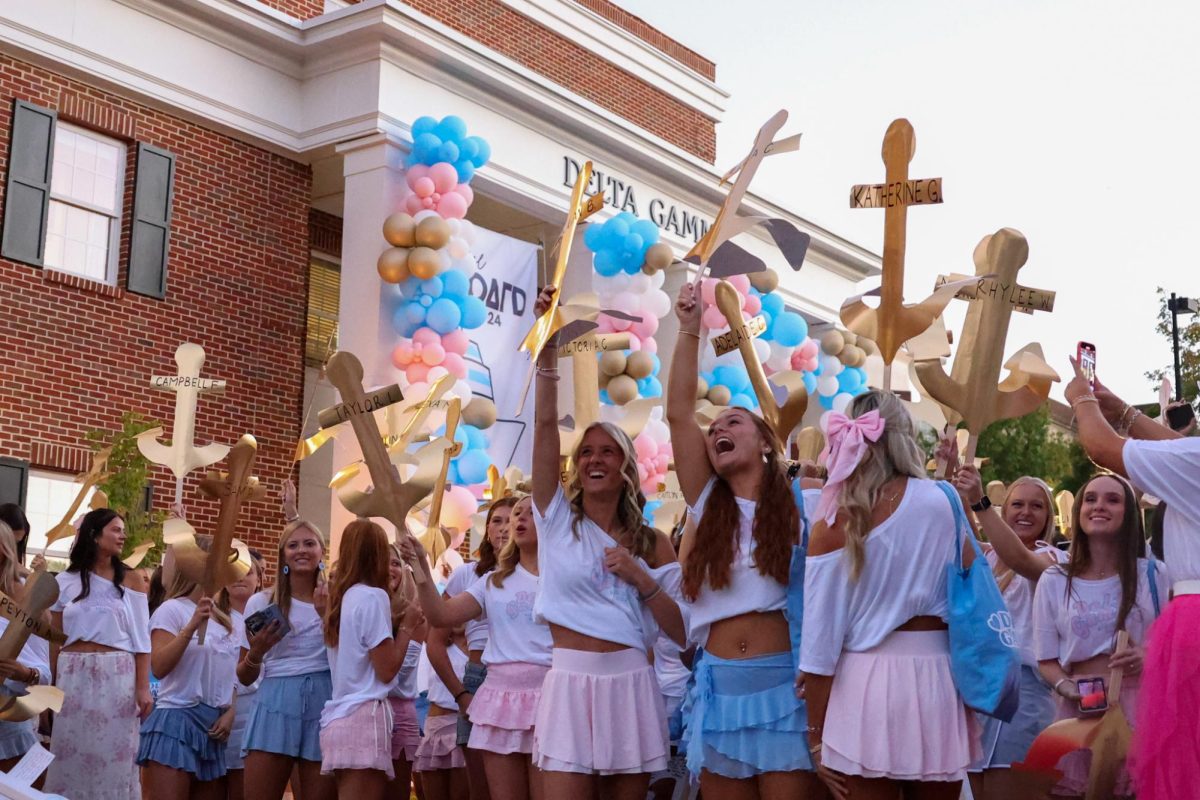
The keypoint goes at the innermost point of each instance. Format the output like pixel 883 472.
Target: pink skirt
pixel 601 713
pixel 406 734
pixel 439 747
pixel 894 712
pixel 505 706
pixel 361 740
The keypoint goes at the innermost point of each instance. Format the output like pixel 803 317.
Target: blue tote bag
pixel 983 655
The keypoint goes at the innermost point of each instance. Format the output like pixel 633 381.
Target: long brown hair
pixel 487 551
pixel 642 537
pixel 776 522
pixel 281 592
pixel 362 558
pixel 1132 538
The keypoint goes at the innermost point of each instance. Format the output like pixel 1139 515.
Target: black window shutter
pixel 151 235
pixel 14 479
pixel 27 190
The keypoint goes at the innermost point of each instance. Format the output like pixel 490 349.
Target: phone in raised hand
pixel 1085 354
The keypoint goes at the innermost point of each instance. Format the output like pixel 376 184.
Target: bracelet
pixel 460 694
pixel 548 374
pixel 816 728
pixel 652 595
pixel 252 662
pixel 1128 426
pixel 35 677
pixel 682 332
pixel 1086 398
pixel 816 748
pixel 1059 683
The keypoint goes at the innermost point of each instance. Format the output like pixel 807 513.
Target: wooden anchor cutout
pixel 95 475
pixel 433 530
pixel 893 323
pixel 182 455
pixel 782 417
pixel 548 323
pixel 972 389
pixel 390 498
pixel 25 618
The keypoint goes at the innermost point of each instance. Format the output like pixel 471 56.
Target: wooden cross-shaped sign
pixel 433 537
pixel 971 389
pixel 95 475
pixel 223 564
pixel 783 418
pixel 390 498
pixel 893 323
pixel 585 377
pixel 182 455
pixel 24 615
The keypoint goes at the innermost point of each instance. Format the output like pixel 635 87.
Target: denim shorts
pixel 286 718
pixel 472 679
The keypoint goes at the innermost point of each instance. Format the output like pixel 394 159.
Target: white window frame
pixel 114 230
pixel 42 519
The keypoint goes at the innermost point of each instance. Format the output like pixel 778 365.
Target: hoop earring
pixel 320 566
pixel 286 569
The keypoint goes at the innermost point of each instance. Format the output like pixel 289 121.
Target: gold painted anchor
pixel 784 418
pixel 893 323
pixel 95 475
pixel 972 389
pixel 433 530
pixel 390 498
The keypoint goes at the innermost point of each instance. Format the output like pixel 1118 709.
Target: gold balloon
pixel 701 389
pixel 424 263
pixel 393 264
pixel 765 281
pixel 612 363
pixel 854 356
pixel 639 365
pixel 622 389
pixel 99 500
pixel 399 230
pixel 658 256
pixel 481 413
pixel 602 379
pixel 433 232
pixel 832 342
pixel 850 336
pixel 719 395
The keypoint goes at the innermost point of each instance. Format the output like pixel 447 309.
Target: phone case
pixel 261 619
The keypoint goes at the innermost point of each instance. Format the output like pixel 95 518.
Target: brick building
pixel 217 172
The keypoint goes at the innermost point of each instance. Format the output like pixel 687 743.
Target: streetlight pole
pixel 1177 306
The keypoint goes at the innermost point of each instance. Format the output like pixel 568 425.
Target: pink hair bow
pixel 845 445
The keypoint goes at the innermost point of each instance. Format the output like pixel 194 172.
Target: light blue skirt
pixel 286 718
pixel 743 717
pixel 178 738
pixel 473 677
pixel 1004 743
pixel 237 734
pixel 17 737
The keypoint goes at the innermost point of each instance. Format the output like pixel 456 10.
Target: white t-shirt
pixel 439 695
pixel 904 576
pixel 1086 625
pixel 302 650
pixel 514 636
pixel 117 619
pixel 748 590
pixel 460 580
pixel 405 684
pixel 1170 469
pixel 577 591
pixel 204 674
pixel 366 622
pixel 669 669
pixel 1018 596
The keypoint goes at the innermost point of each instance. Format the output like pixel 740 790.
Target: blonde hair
pixel 281 592
pixel 510 554
pixel 896 453
pixel 629 507
pixel 9 576
pixel 181 586
pixel 1028 480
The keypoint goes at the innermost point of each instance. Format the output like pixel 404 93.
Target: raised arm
pixel 1009 547
pixel 545 416
pixel 440 612
pixel 687 440
pixel 1102 444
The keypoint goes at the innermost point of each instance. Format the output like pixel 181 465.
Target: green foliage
pixel 1026 446
pixel 126 485
pixel 1189 349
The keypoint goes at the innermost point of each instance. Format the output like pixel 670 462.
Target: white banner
pixel 506 281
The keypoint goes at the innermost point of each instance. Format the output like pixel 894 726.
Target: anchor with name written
pixel 25 618
pixel 95 475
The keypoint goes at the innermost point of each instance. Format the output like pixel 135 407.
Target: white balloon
pixel 467 231
pixel 830 366
pixel 823 422
pixel 762 349
pixel 465 265
pixel 657 430
pixel 658 279
pixel 619 282
pixel 462 390
pixel 458 248
pixel 841 401
pixel 639 283
pixel 425 213
pixel 826 385
pixel 657 303
pixel 444 257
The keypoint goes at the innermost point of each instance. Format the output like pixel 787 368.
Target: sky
pixel 1071 121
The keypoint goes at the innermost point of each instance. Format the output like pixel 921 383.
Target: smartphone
pixel 1093 695
pixel 261 619
pixel 1086 355
pixel 1179 417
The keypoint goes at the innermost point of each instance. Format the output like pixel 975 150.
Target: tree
pixel 1189 349
pixel 1026 446
pixel 126 486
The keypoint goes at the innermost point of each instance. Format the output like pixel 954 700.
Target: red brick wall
pixel 301 9
pixel 74 356
pixel 652 36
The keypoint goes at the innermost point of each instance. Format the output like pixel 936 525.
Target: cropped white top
pixel 903 576
pixel 107 616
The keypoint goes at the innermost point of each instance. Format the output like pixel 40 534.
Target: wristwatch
pixel 983 505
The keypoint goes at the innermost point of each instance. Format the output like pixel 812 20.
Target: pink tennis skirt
pixel 600 713
pixel 894 712
pixel 504 708
pixel 439 746
pixel 361 740
pixel 406 734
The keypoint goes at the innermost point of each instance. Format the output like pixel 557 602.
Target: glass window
pixel 85 204
pixel 324 286
pixel 47 499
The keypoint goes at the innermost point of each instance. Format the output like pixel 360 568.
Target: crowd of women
pixel 791 641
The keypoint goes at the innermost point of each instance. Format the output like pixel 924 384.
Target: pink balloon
pixel 417 372
pixel 604 324
pixel 401 355
pixel 423 187
pixel 637 344
pixel 457 507
pixel 645 447
pixel 455 364
pixel 416 172
pixel 708 291
pixel 713 318
pixel 452 206
pixel 646 328
pixel 425 336
pixel 433 354
pixel 414 204
pixel 456 341
pixel 650 346
pixel 741 283
pixel 444 176
pixel 467 192
pixel 753 304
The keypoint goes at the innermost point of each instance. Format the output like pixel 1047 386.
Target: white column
pixel 373 167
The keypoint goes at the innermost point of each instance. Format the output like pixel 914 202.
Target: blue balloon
pixel 810 382
pixel 468 148
pixel 647 230
pixel 653 387
pixel 741 400
pixel 448 152
pixel 465 171
pixel 772 303
pixel 443 316
pixel 474 312
pixel 426 145
pixel 848 381
pixel 789 329
pixel 606 263
pixel 483 152
pixel 733 377
pixel 476 440
pixel 452 475
pixel 473 466
pixel 414 313
pixel 604 398
pixel 826 401
pixel 454 283
pixel 423 125
pixel 432 287
pixel 593 236
pixel 451 128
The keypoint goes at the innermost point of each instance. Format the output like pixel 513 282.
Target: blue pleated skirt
pixel 286 718
pixel 17 737
pixel 178 738
pixel 1004 743
pixel 743 717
